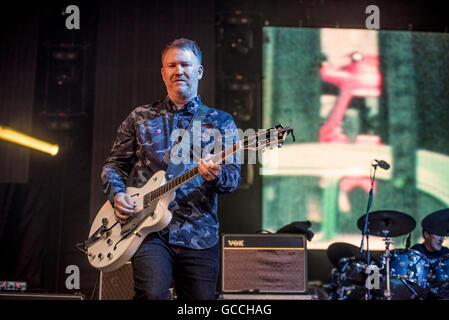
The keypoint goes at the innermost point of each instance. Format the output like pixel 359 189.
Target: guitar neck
pixel 190 174
pixel 275 135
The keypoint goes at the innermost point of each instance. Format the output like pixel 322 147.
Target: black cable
pixel 95 287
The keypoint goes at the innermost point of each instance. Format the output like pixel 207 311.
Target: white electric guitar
pixel 111 244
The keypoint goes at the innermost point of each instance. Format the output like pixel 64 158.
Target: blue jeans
pixel 157 264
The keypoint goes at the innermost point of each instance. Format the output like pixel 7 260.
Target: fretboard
pixel 189 175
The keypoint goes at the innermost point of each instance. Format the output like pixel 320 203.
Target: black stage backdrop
pixel 17 76
pixel 43 217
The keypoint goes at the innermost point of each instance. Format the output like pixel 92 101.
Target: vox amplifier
pixel 263 263
pixel 117 284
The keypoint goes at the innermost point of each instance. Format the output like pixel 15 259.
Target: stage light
pixel 13 136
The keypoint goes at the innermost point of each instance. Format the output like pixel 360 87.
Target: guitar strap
pixel 177 162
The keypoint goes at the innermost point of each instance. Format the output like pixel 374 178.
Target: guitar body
pixel 109 250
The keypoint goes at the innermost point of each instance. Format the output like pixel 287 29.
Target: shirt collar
pixel 189 107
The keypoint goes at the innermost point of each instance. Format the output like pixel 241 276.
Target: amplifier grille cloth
pixel 117 284
pixel 264 270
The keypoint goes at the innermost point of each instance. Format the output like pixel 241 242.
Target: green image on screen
pixel 354 96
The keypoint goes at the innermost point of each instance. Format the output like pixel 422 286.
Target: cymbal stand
pixel 365 233
pixel 388 241
pixel 430 289
pixel 404 282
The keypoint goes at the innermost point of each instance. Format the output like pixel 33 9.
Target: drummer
pixel 432 247
pixel 434 230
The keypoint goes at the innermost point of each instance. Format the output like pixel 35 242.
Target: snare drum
pixel 410 265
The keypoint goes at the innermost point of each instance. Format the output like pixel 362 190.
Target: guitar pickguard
pixel 134 221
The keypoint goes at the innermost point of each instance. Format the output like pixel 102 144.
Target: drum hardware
pixel 408 287
pixel 407 243
pixel 340 252
pixel 411 269
pixel 348 275
pixel 387 224
pixel 432 289
pixel 395 222
pixel 406 273
pixel 387 241
pixel 442 268
pixel 365 229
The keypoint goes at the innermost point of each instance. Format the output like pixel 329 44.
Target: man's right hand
pixel 124 206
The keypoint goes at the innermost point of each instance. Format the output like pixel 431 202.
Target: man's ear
pixel 200 72
pixel 162 71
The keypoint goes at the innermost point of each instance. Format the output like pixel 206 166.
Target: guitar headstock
pixel 268 138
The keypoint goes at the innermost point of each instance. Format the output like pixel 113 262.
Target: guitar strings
pixel 192 173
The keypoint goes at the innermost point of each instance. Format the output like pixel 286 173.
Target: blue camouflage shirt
pixel 142 147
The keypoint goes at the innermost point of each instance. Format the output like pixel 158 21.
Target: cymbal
pixel 437 222
pixel 339 250
pixel 395 222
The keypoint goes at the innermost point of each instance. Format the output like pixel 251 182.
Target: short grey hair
pixel 184 44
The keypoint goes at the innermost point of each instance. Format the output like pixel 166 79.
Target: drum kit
pixel 404 274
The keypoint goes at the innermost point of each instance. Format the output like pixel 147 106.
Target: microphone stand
pixel 365 228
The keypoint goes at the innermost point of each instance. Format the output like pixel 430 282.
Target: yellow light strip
pixel 27 141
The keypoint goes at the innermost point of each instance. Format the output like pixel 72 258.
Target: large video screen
pixel 354 96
